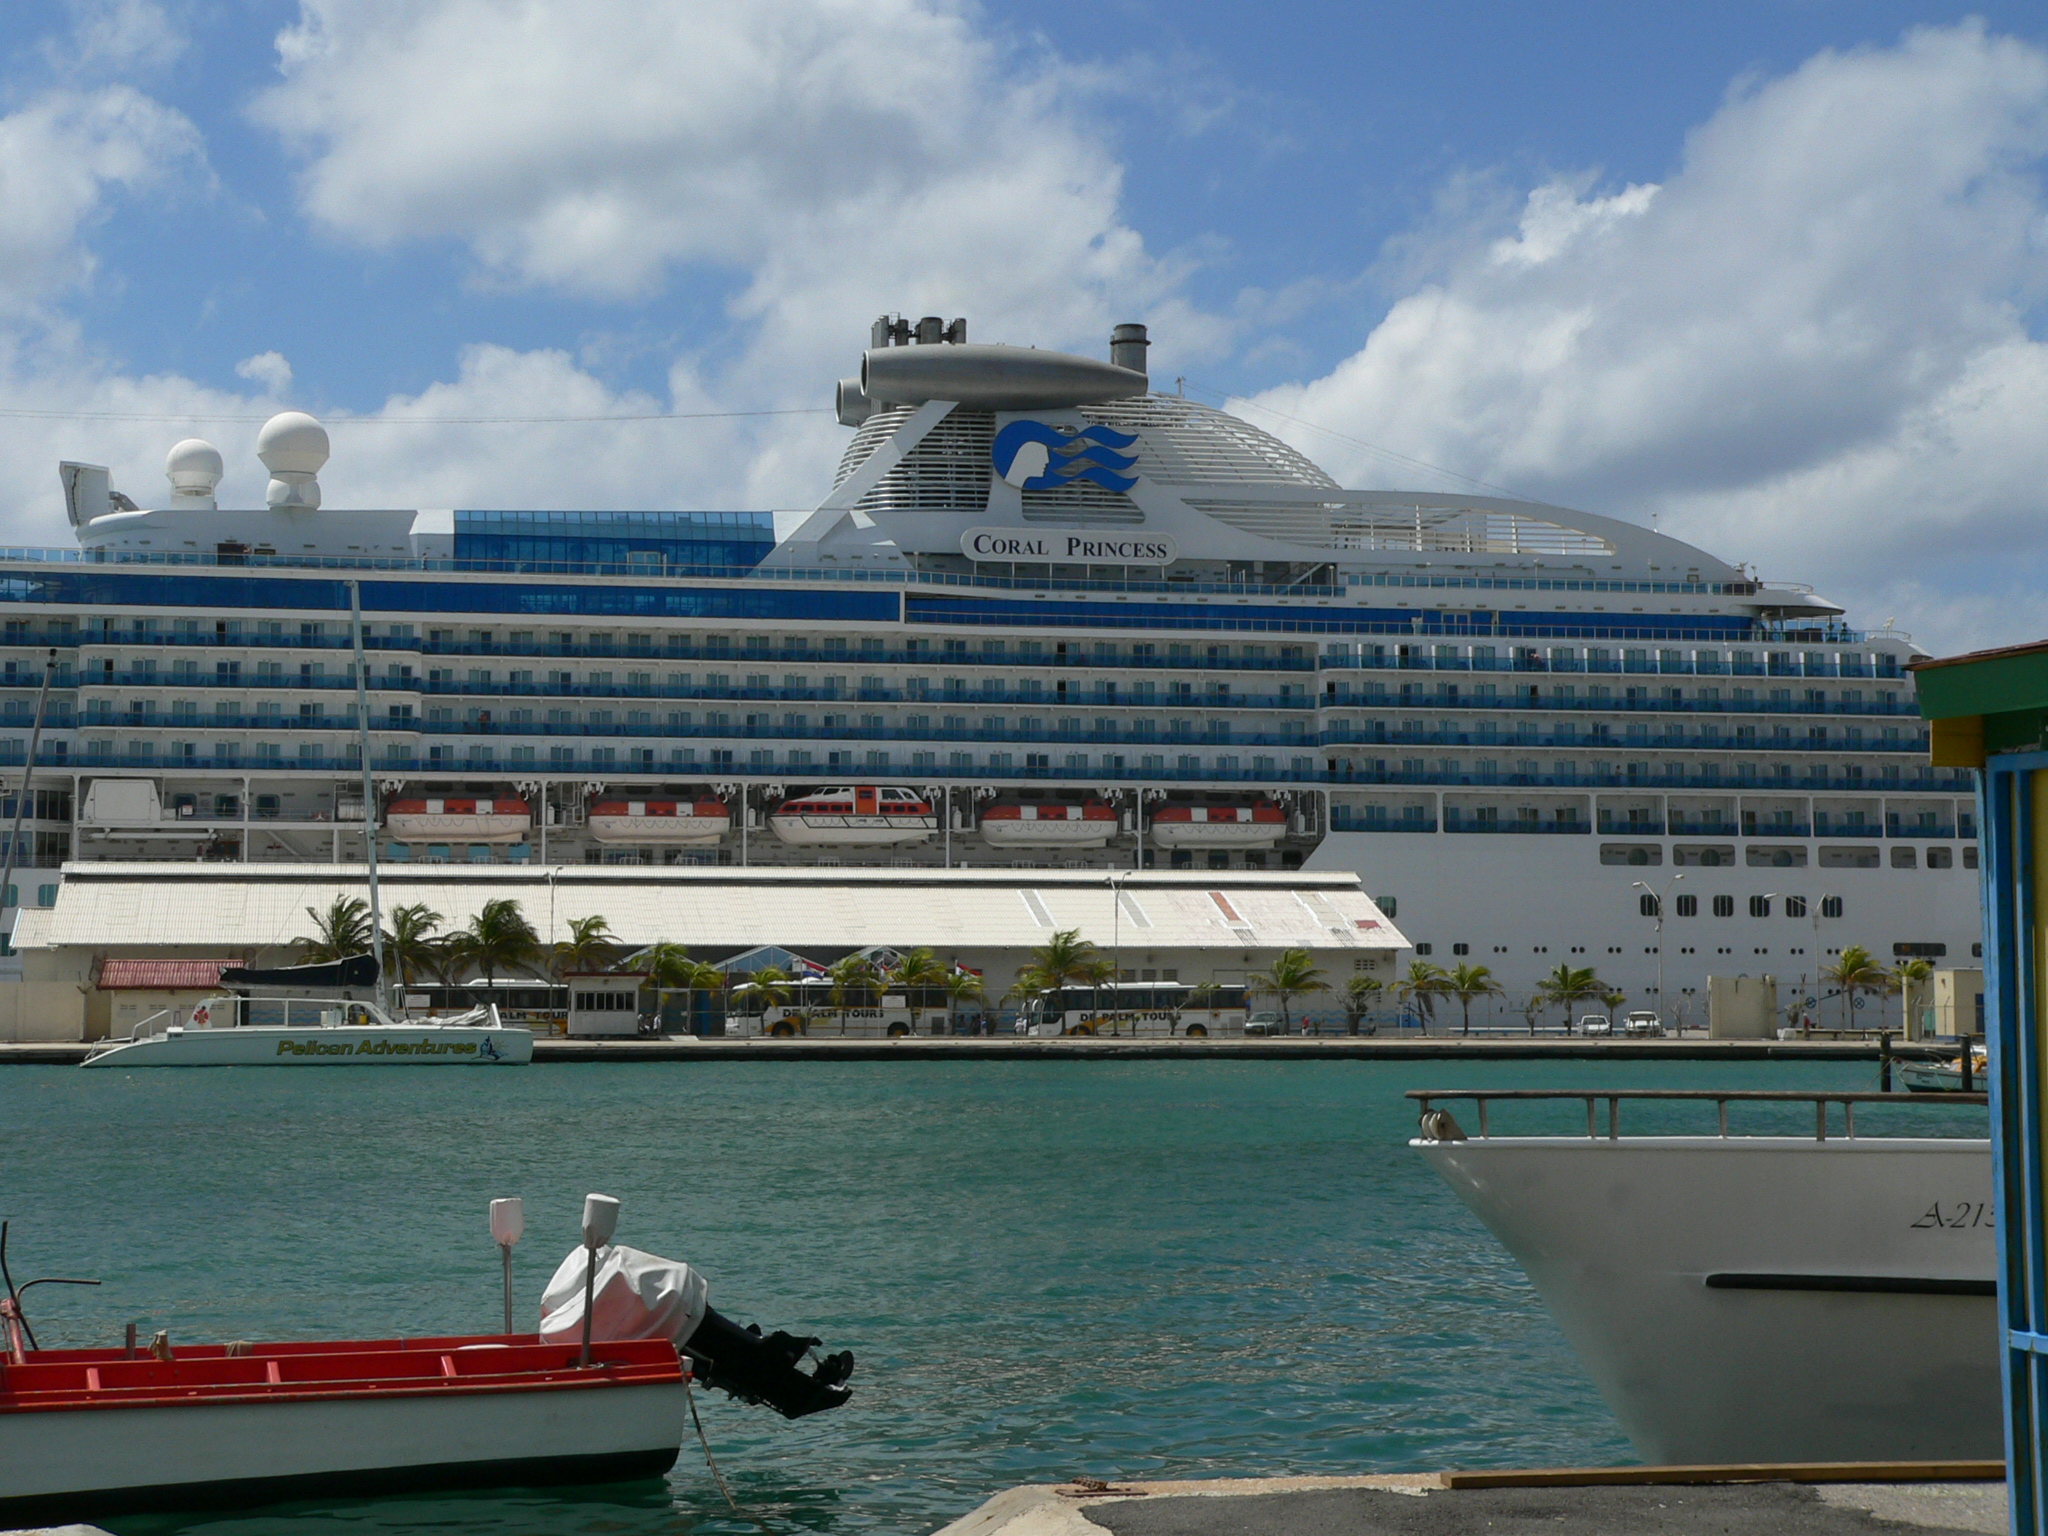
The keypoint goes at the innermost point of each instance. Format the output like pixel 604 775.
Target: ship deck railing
pixel 1608 1127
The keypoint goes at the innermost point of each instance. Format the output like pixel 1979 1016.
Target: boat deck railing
pixel 1437 1125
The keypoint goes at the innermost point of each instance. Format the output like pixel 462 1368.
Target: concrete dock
pixel 556 1049
pixel 1934 1500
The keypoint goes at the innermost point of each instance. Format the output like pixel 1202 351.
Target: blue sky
pixel 1770 274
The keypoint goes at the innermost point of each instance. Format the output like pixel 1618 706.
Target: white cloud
pixel 827 160
pixel 60 155
pixel 270 369
pixel 118 36
pixel 1807 346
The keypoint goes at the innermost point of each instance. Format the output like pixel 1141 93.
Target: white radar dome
pixel 194 468
pixel 293 447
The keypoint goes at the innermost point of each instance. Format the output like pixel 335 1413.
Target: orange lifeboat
pixel 459 821
pixel 1253 824
pixel 858 814
pixel 1057 824
pixel 659 821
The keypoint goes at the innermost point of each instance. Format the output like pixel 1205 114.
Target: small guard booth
pixel 1989 711
pixel 605 1003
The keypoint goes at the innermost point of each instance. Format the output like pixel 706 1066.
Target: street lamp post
pixel 1657 898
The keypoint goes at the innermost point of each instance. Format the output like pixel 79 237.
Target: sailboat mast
pixel 355 614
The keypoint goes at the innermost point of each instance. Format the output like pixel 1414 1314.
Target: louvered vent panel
pixel 1445 530
pixel 948 471
pixel 1081 502
pixel 872 433
pixel 1181 442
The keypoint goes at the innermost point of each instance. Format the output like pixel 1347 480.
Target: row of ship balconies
pixel 1096 693
pixel 330 636
pixel 1563 735
pixel 1345 818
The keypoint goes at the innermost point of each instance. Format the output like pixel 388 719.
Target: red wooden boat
pixel 94 1431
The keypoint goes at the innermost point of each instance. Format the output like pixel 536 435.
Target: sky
pixel 1769 276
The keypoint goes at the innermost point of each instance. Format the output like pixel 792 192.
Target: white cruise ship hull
pixel 261 1045
pixel 1761 1299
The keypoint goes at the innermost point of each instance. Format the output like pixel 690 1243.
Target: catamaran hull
pixel 1761 1299
pixel 259 1045
pixel 91 1461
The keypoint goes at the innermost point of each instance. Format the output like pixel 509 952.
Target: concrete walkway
pixel 1423 1506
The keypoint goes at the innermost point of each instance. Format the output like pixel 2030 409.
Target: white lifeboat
pixel 858 814
pixel 659 821
pixel 1258 824
pixel 459 821
pixel 1028 824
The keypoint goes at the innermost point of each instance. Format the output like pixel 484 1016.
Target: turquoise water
pixel 1135 1269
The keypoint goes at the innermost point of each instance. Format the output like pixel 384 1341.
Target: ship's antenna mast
pixel 355 614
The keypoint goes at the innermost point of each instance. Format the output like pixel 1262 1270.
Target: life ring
pixel 202 1017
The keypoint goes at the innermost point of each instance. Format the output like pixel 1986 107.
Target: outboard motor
pixel 636 1295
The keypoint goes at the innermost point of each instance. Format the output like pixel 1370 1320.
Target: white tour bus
pixel 1136 1008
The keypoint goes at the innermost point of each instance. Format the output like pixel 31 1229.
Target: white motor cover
pixel 636 1296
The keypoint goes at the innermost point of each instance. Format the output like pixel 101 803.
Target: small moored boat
pixel 659 821
pixel 235 1031
pixel 1054 824
pixel 1240 824
pixel 459 820
pixel 859 814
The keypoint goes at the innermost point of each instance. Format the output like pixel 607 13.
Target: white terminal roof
pixel 106 906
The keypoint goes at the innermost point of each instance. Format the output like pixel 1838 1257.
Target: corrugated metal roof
pixel 160 975
pixel 243 905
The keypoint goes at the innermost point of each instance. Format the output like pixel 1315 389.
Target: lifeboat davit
pixel 867 814
pixel 1072 824
pixel 1259 824
pixel 459 821
pixel 659 821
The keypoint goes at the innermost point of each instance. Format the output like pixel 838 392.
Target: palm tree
pixel 914 973
pixel 591 946
pixel 1564 987
pixel 769 986
pixel 498 938
pixel 342 930
pixel 409 944
pixel 670 969
pixel 1065 957
pixel 1855 970
pixel 1421 986
pixel 1094 971
pixel 1359 993
pixel 853 977
pixel 963 986
pixel 1906 976
pixel 1465 982
pixel 1293 974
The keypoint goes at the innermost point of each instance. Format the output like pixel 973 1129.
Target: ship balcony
pixel 1376 659
pixel 1346 818
pixel 1479 820
pixel 1461 698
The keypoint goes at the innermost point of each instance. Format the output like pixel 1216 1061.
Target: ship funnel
pixel 1127 346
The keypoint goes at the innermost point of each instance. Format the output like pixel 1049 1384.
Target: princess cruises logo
pixel 1035 457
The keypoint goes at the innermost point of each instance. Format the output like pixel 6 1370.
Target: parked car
pixel 1265 1024
pixel 1596 1024
pixel 1643 1024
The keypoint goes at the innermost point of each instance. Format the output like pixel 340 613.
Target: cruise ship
pixel 1046 616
